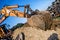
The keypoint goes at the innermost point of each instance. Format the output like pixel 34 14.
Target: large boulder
pixel 37 21
pixel 41 20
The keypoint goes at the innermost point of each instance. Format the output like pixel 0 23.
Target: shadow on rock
pixel 20 36
pixel 54 36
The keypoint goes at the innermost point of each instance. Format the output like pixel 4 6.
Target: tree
pixel 55 7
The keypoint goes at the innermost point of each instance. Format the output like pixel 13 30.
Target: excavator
pixel 8 11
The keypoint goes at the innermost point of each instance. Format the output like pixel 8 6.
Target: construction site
pixel 40 25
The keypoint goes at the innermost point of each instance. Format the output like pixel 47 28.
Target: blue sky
pixel 34 4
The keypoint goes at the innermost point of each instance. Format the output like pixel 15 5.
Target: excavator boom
pixel 7 11
pixel 10 7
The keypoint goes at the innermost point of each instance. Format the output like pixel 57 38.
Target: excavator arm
pixel 7 11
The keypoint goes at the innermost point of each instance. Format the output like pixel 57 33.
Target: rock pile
pixel 32 29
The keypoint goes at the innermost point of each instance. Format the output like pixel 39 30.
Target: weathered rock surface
pixel 55 24
pixel 37 21
pixel 36 34
pixel 41 20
